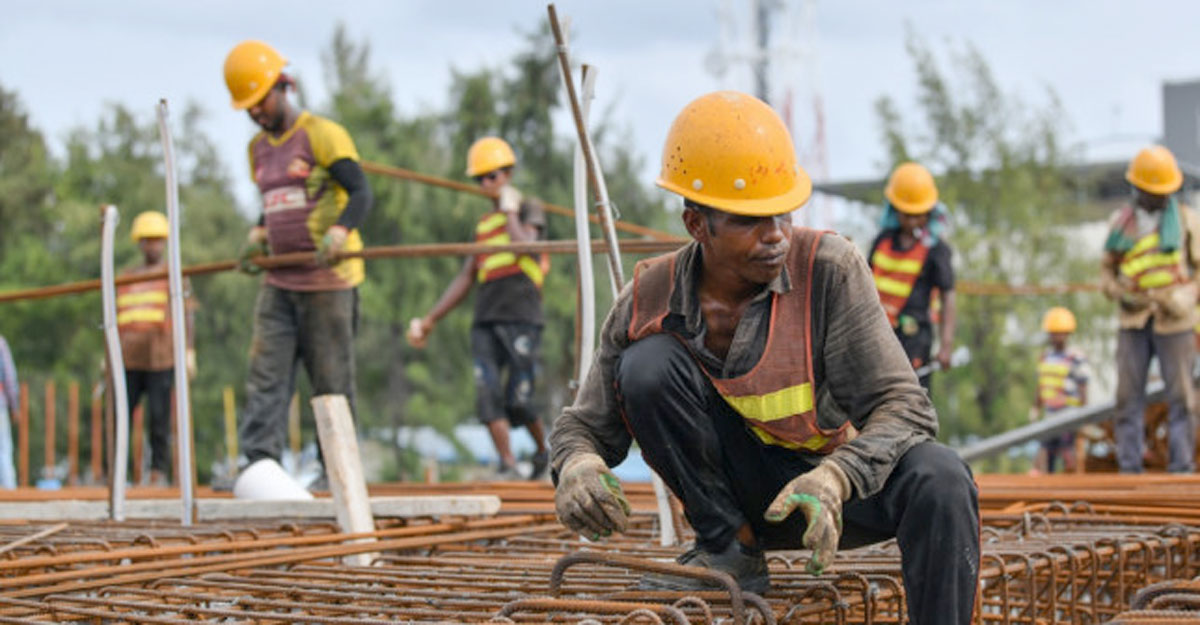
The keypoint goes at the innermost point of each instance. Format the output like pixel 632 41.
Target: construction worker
pixel 507 326
pixel 144 323
pixel 1149 267
pixel 1062 383
pixel 758 374
pixel 911 263
pixel 9 404
pixel 315 196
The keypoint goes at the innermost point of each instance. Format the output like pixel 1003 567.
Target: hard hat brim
pixel 1162 188
pixel 252 99
pixel 763 207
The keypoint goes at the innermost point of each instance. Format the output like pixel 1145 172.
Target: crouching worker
pixel 762 381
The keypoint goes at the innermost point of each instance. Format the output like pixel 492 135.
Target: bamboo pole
pixel 137 428
pixel 73 433
pixel 49 432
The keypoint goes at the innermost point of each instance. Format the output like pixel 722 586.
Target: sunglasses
pixel 491 175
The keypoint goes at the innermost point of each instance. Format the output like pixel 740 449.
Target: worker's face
pixel 754 248
pixel 152 249
pixel 1059 340
pixel 911 223
pixel 1151 201
pixel 270 111
pixel 493 180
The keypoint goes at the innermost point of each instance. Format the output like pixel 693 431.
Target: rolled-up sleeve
pixel 593 423
pixel 868 375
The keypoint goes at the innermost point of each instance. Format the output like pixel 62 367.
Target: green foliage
pixel 1001 163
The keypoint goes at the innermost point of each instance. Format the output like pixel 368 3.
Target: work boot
pixel 744 564
pixel 541 460
pixel 507 473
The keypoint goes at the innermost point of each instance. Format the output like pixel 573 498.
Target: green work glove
pixel 255 246
pixel 819 493
pixel 331 245
pixel 589 499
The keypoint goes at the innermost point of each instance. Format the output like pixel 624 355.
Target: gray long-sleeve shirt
pixel 861 373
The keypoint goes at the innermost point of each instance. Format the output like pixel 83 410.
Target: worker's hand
pixel 1035 414
pixel 1175 302
pixel 509 199
pixel 1134 302
pixel 331 245
pixel 819 493
pixel 419 329
pixel 255 246
pixel 191 363
pixel 943 357
pixel 589 499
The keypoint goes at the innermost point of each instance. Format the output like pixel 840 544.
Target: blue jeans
pixel 316 328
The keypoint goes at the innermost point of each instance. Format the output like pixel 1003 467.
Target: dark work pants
pixel 919 348
pixel 1175 354
pixel 498 347
pixel 157 387
pixel 726 478
pixel 290 327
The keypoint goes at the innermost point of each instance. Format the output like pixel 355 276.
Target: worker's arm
pixel 1083 393
pixel 949 322
pixel 419 329
pixel 864 370
pixel 530 217
pixel 349 174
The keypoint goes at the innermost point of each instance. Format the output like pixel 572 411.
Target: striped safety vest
pixel 1147 266
pixel 142 306
pixel 895 274
pixel 492 229
pixel 1056 388
pixel 775 397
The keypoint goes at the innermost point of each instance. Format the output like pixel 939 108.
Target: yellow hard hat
pixel 1058 320
pixel 911 189
pixel 149 225
pixel 731 151
pixel 1154 170
pixel 251 69
pixel 489 154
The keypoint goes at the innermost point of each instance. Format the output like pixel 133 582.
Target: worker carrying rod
pixel 315 196
pixel 759 375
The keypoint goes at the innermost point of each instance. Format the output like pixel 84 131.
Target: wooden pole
pixel 136 429
pixel 231 436
pixel 73 433
pixel 97 436
pixel 23 436
pixel 48 461
pixel 295 438
pixel 343 466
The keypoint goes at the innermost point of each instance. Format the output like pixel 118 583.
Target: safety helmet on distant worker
pixel 251 69
pixel 732 152
pixel 1058 320
pixel 1154 170
pixel 149 225
pixel 489 154
pixel 911 189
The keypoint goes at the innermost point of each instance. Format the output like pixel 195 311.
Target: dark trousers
pixel 1175 354
pixel 498 347
pixel 919 348
pixel 726 478
pixel 290 327
pixel 157 387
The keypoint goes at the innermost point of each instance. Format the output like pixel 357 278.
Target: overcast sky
pixel 1106 59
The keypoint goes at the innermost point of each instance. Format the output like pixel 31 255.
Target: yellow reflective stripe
pixel 780 404
pixel 1147 242
pixel 1049 393
pixel 134 315
pixel 1054 368
pixel 141 298
pixel 495 261
pixel 1051 381
pixel 1146 262
pixel 814 443
pixel 892 287
pixel 898 265
pixel 1155 279
pixel 491 223
pixel 531 269
pixel 499 239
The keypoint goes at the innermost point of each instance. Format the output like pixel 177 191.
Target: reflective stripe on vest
pixel 775 397
pixel 142 306
pixel 1054 371
pixel 492 229
pixel 895 274
pixel 1148 267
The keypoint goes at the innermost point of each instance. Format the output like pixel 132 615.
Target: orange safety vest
pixel 776 396
pixel 142 306
pixel 1147 266
pixel 895 274
pixel 492 229
pixel 1055 387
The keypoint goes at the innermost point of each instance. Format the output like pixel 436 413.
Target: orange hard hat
pixel 911 189
pixel 731 151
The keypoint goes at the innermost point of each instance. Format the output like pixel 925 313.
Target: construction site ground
pixel 1056 549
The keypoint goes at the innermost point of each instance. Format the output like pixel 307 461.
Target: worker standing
pixel 1062 383
pixel 145 327
pixel 912 267
pixel 10 401
pixel 507 327
pixel 758 374
pixel 315 197
pixel 1149 267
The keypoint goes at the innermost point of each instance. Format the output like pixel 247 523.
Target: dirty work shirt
pixel 301 200
pixel 860 373
pixel 516 297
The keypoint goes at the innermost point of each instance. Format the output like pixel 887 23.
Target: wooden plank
pixel 343 466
